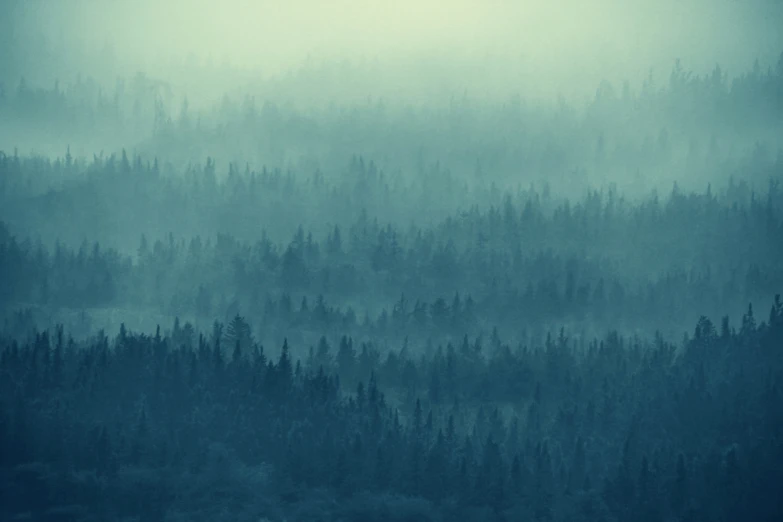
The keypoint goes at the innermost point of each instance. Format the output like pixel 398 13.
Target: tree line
pixel 166 427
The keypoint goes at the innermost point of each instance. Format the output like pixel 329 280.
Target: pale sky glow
pixel 566 46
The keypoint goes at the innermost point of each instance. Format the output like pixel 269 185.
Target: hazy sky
pixel 558 45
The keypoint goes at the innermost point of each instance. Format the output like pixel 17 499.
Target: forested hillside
pixel 212 428
pixel 402 287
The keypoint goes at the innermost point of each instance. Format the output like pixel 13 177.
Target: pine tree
pixel 238 334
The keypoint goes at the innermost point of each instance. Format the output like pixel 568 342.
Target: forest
pixel 315 295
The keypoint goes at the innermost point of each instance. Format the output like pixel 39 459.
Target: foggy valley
pixel 381 261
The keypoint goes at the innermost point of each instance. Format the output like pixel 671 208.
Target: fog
pixel 491 48
pixel 391 261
